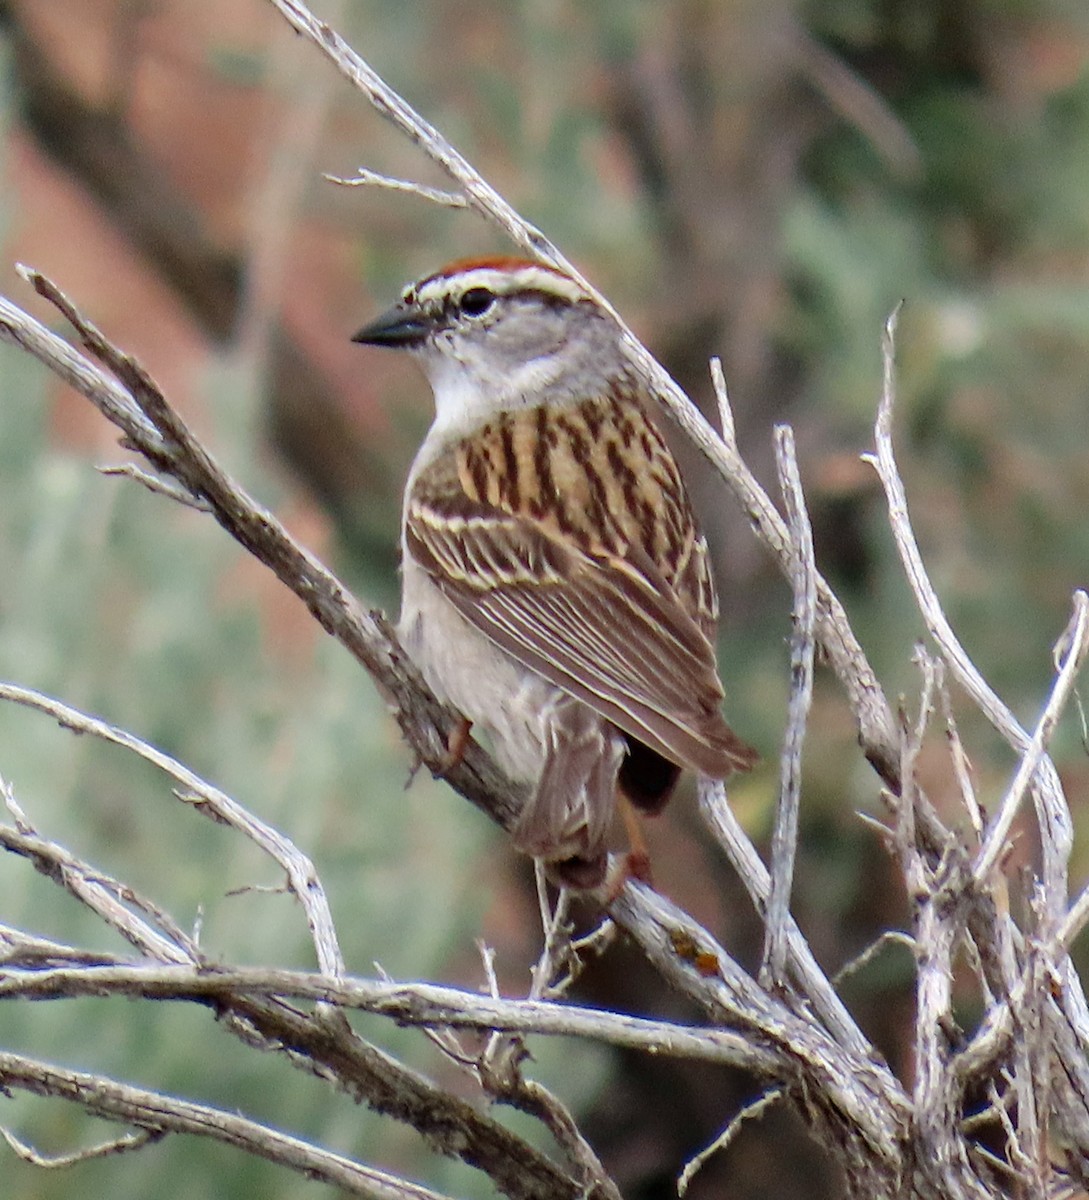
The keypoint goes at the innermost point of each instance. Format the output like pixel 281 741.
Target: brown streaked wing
pixel 578 598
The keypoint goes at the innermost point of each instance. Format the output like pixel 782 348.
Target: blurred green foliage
pixel 987 249
pixel 115 602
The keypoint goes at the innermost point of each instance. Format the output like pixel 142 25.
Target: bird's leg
pixel 638 856
pixel 636 863
pixel 457 742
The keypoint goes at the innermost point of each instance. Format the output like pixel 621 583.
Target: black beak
pixel 403 325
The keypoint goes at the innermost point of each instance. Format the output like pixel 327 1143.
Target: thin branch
pixel 962 767
pixel 366 178
pixel 891 937
pixel 1077 645
pixel 449 1124
pixel 754 1109
pixel 108 396
pixel 114 902
pixel 785 835
pixel 556 927
pixel 216 804
pixel 407 1004
pixel 913 863
pixel 1031 1057
pixel 125 1144
pixel 1075 920
pixel 933 894
pixel 21 949
pixel 500 1065
pixel 160 1114
pixel 530 1097
pixel 1054 814
pixel 725 408
pixel 160 487
pixel 808 975
pixel 862 105
pixel 484 198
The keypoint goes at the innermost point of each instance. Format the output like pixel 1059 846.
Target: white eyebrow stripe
pixel 502 282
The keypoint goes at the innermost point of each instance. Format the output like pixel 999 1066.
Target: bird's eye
pixel 477 301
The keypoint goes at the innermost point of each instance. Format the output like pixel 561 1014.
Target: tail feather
pixel 571 809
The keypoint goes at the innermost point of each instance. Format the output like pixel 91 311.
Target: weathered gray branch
pixel 126 395
pixel 406 1003
pixel 325 1048
pixel 301 876
pixel 160 1114
pixel 784 840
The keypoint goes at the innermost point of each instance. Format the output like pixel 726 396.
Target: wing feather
pixel 574 592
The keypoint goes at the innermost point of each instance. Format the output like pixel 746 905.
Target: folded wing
pixel 594 615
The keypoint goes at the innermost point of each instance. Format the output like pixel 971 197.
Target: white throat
pixel 465 400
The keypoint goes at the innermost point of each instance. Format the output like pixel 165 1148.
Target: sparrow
pixel 555 586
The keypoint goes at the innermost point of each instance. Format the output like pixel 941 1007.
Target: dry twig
pixel 785 838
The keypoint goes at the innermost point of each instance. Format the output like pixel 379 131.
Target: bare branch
pixel 451 1125
pixel 321 1047
pixel 21 329
pixel 159 1115
pixel 365 178
pixel 556 926
pixel 891 937
pixel 935 1094
pixel 125 1144
pixel 1077 645
pixel 482 197
pixel 725 408
pixel 913 862
pixel 961 765
pixel 754 875
pixel 108 898
pixel 161 487
pixel 529 1096
pixel 862 105
pixel 754 1109
pixel 1053 812
pixel 216 804
pixel 20 949
pixel 408 1004
pixel 785 837
pixel 151 427
pixel 853 1093
pixel 500 1066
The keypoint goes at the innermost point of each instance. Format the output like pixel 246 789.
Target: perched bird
pixel 556 588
